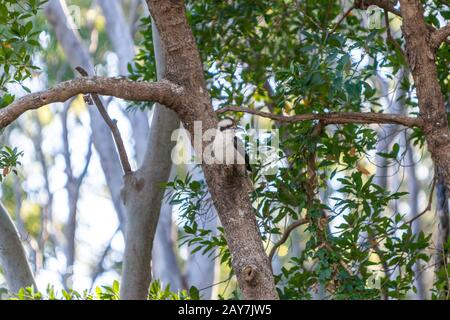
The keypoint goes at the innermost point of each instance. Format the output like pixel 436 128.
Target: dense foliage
pixel 290 58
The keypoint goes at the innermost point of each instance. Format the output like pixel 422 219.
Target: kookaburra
pixel 228 148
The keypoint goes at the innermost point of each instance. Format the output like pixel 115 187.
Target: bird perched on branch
pixel 228 148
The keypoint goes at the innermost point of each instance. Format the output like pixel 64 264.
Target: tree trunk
pixel 142 194
pixel 144 203
pixel 421 59
pixel 164 260
pixel 73 186
pixel 229 189
pixel 13 258
pixel 421 56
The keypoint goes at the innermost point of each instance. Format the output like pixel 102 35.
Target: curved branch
pixel 390 38
pixel 341 19
pixel 163 92
pixel 439 36
pixel 286 234
pixel 334 118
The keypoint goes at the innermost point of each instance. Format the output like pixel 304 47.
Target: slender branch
pixel 112 124
pixel 65 137
pixel 333 118
pixel 439 36
pixel 390 38
pixel 342 18
pixel 164 92
pixel 286 234
pixel 87 161
pixel 99 268
pixel 427 208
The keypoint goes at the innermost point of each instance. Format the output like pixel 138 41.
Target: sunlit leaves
pixel 9 160
pixel 156 292
pixel 18 40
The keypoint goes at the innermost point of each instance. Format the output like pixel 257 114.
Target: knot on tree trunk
pixel 132 184
pixel 249 273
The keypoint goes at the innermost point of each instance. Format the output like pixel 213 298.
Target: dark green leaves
pixel 18 39
pixel 9 160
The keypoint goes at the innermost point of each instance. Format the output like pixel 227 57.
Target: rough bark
pixel 334 118
pixel 421 60
pixel 420 50
pixel 230 192
pixel 13 258
pixel 164 260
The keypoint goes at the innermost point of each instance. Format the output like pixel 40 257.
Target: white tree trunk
pixel 164 261
pixel 13 258
pixel 143 195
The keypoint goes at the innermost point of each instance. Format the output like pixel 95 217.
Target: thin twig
pixel 88 157
pixel 390 38
pixel 112 124
pixel 439 36
pixel 342 18
pixel 341 261
pixel 428 207
pixel 333 118
pixel 99 269
pixel 286 234
pixel 217 283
